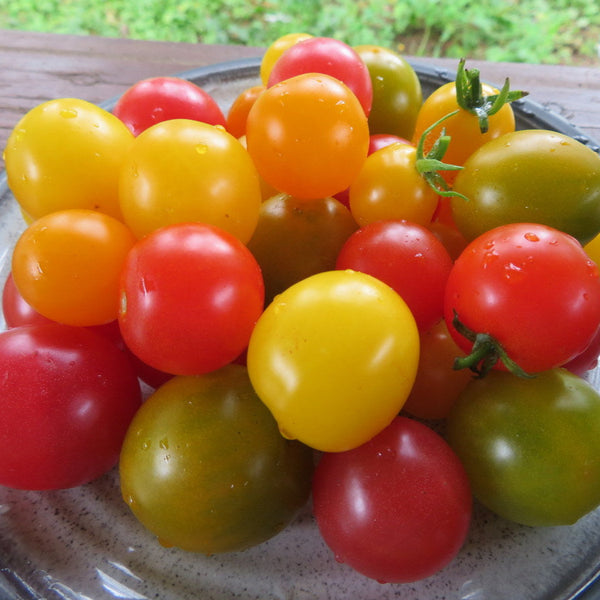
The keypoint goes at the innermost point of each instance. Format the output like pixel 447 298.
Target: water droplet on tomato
pixel 531 237
pixel 201 148
pixel 146 445
pixel 68 113
pixel 164 444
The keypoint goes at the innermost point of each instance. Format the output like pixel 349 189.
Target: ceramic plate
pixel 84 544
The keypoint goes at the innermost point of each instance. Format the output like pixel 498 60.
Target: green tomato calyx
pixel 428 165
pixel 469 95
pixel 485 353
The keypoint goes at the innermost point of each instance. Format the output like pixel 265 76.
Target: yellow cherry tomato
pixel 67 153
pixel 389 187
pixel 334 358
pixel 188 171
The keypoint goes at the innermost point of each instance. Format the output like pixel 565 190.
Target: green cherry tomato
pixel 397 94
pixel 531 447
pixel 530 176
pixel 296 238
pixel 334 357
pixel 204 467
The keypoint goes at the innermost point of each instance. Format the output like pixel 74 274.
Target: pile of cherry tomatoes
pixel 306 281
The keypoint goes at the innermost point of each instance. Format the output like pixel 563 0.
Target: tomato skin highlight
pixel 190 296
pixel 396 509
pixel 66 400
pixel 204 467
pixel 531 447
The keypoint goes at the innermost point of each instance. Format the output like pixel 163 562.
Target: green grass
pixel 535 31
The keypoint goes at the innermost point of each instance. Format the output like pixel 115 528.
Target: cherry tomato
pixel 67 266
pixel 530 287
pixel 187 171
pixel 531 447
pixel 381 140
pixel 406 256
pixel 190 296
pixel 452 239
pixel 16 310
pixel 204 467
pixel 81 171
pixel 389 187
pixel 437 384
pixel 397 93
pixel 463 127
pixel 376 142
pixel 238 111
pixel 65 407
pixel 331 57
pixel 275 50
pixel 297 238
pixel 397 508
pixel 530 176
pixel 158 99
pixel 308 136
pixel 334 357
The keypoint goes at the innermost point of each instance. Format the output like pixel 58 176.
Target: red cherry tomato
pixel 331 57
pixel 406 256
pixel 158 99
pixel 528 287
pixel 397 508
pixel 17 311
pixel 190 296
pixel 65 408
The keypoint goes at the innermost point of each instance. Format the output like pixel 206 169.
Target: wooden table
pixel 35 67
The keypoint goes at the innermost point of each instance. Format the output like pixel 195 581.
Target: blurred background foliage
pixel 534 31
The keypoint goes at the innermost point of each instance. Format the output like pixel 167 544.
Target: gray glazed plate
pixel 84 544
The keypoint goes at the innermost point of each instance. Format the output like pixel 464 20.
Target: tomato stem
pixel 430 164
pixel 485 353
pixel 469 95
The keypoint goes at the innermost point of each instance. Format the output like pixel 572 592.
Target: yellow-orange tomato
pixel 276 49
pixel 463 127
pixel 238 111
pixel 187 171
pixel 67 266
pixel 67 153
pixel 389 187
pixel 308 136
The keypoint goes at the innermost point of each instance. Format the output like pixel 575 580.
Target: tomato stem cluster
pixel 469 95
pixel 485 353
pixel 429 165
